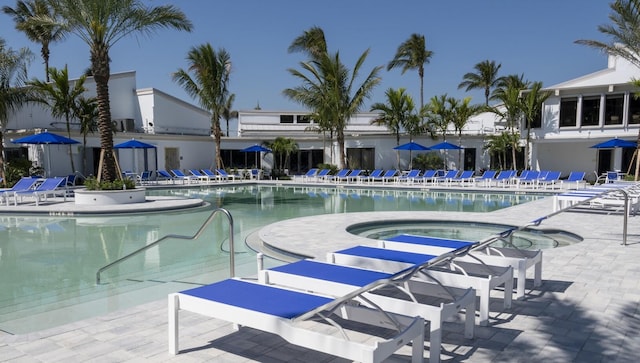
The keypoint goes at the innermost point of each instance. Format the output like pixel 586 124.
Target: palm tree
pixel 26 14
pixel 328 88
pixel 438 114
pixel 228 112
pixel 13 94
pixel 511 111
pixel 86 111
pixel 486 78
pixel 282 147
pixel 461 113
pixel 395 114
pixel 61 96
pixel 101 24
pixel 412 54
pixel 498 145
pixel 207 80
pixel 531 108
pixel 624 42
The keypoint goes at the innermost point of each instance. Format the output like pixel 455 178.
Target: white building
pixel 179 130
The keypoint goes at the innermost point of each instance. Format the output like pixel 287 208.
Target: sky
pixel 530 38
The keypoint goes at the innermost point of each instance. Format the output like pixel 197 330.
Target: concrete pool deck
pixel 587 309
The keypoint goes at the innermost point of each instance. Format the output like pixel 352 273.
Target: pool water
pixel 48 264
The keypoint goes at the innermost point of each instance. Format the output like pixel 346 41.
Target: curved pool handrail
pixel 176 236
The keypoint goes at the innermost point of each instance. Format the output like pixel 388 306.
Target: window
pixel 590 111
pixel 634 110
pixel 613 110
pixel 303 119
pixel 286 119
pixel 568 110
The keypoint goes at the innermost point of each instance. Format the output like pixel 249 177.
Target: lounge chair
pixel 341 174
pixel 389 175
pixel 179 175
pixel 48 187
pixel 503 178
pixel 225 176
pixel 485 179
pixel 520 260
pixel 528 178
pixel 322 175
pixel 576 177
pixel 309 174
pixel 197 174
pixel 164 175
pixel 446 178
pixel 550 180
pixel 373 176
pixel 466 176
pixel 298 317
pixel 146 177
pixel 23 184
pixel 428 176
pixel 336 280
pixel 212 176
pixel 483 278
pixel 409 178
pixel 353 176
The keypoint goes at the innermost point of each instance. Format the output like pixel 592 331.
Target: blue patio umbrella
pixel 135 144
pixel 411 146
pixel 256 149
pixel 46 138
pixel 615 143
pixel 445 146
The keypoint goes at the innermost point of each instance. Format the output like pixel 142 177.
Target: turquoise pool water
pixel 48 264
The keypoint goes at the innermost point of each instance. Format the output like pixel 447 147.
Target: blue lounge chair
pixel 298 317
pixel 164 175
pixel 408 178
pixel 224 175
pixel 389 175
pixel 576 177
pixel 446 178
pixel 211 175
pixel 373 176
pixel 341 174
pixel 322 175
pixel 549 181
pixel 465 177
pixel 520 260
pixel 352 176
pixel 486 178
pixel 483 278
pixel 21 185
pixel 503 178
pixel 337 280
pixel 528 177
pixel 309 174
pixel 179 175
pixel 427 176
pixel 48 187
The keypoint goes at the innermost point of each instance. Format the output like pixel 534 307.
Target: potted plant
pixel 119 191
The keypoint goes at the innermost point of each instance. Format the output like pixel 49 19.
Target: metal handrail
pixel 175 236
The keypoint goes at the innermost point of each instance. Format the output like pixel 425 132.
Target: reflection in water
pixel 48 264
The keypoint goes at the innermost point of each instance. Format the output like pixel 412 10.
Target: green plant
pixel 91 183
pixel 428 161
pixel 333 168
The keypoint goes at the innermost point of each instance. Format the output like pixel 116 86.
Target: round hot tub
pixel 528 238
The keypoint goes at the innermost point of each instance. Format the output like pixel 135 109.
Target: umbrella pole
pixel 48 171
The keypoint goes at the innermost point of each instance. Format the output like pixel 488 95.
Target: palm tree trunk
pixel 216 134
pixel 636 175
pixel 100 68
pixel 2 161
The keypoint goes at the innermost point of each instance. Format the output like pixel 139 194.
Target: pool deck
pixel 587 309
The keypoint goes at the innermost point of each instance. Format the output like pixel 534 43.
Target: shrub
pixel 91 183
pixel 428 161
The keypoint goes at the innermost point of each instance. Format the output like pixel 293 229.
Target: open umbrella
pixel 411 146
pixel 135 144
pixel 445 146
pixel 46 138
pixel 256 149
pixel 615 143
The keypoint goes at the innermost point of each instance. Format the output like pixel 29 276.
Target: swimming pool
pixel 48 264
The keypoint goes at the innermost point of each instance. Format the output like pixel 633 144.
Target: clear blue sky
pixel 534 38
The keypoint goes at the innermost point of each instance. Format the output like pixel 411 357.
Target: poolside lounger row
pixel 389 279
pixel 37 188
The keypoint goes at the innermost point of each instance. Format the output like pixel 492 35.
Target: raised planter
pixel 109 197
